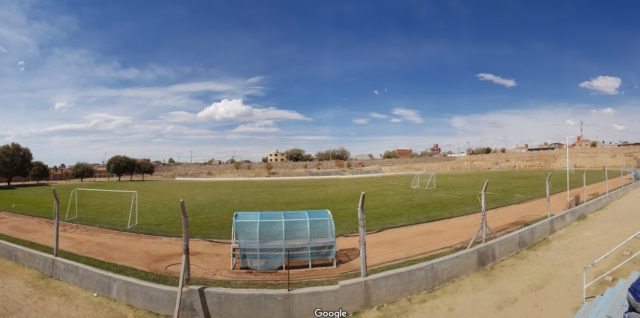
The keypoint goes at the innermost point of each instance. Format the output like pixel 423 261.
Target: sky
pixel 196 80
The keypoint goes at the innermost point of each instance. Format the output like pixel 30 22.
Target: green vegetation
pixel 82 170
pixel 390 200
pixel 39 171
pixel 15 161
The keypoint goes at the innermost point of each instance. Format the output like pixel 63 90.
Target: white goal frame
pixel 429 179
pixel 134 204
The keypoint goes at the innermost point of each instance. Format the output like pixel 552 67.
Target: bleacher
pixel 611 304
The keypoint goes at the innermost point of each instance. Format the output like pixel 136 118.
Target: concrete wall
pixel 350 295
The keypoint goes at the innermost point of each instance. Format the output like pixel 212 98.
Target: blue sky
pixel 80 81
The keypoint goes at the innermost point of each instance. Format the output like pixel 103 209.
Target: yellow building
pixel 277 157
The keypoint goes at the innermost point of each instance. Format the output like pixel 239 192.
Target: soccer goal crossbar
pixel 133 219
pixel 424 180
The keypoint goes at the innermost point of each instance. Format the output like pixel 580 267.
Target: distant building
pixel 277 157
pixel 363 157
pixel 404 153
pixel 583 143
pixel 436 150
pixel 541 148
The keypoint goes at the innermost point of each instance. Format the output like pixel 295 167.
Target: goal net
pixel 98 203
pixel 424 180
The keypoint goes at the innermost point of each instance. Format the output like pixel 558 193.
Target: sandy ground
pixel 27 293
pixel 212 260
pixel 542 281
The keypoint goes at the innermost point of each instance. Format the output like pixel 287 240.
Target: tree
pixel 83 170
pixel 15 161
pixel 145 166
pixel 334 154
pixel 426 153
pixel 171 161
pixel 120 165
pixel 131 167
pixel 390 154
pixel 268 167
pixel 39 171
pixel 297 154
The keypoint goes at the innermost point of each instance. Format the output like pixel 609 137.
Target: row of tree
pixel 17 161
pixel 297 155
pixel 123 165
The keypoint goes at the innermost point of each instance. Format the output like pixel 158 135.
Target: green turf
pixel 390 201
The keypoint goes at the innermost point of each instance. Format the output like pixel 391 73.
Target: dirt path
pixel 542 281
pixel 212 260
pixel 27 293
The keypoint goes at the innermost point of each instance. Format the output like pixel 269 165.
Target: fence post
pixel 484 227
pixel 484 213
pixel 185 240
pixel 548 187
pixel 363 239
pixel 184 268
pixel 606 180
pixel 56 221
pixel 584 186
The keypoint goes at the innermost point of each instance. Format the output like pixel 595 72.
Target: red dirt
pixel 212 260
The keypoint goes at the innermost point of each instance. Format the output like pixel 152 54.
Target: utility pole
pixel 581 130
pixel 191 156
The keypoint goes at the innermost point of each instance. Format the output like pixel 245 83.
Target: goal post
pixel 424 180
pixel 73 200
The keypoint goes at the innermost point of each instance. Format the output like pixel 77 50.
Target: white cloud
pixel 603 111
pixel 619 127
pixel 257 127
pixel 376 92
pixel 378 116
pixel 497 79
pixel 227 109
pixel 395 120
pixel 607 85
pixel 237 110
pixel 255 79
pixel 544 123
pixel 361 121
pixel 410 115
pixel 571 122
pixel 93 122
pixel 179 117
pixel 62 105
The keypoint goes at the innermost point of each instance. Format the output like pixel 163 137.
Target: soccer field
pixel 391 202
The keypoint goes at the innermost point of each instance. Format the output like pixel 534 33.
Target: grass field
pixel 390 200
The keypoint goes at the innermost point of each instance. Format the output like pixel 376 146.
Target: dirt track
pixel 212 260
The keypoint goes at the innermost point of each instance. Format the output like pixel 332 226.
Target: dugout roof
pixel 269 240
